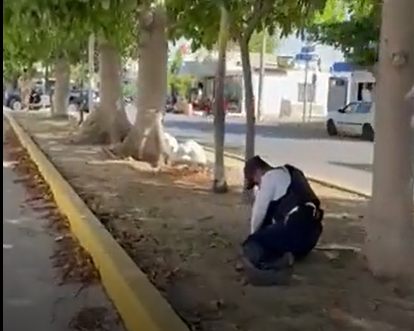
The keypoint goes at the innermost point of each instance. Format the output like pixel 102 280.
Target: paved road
pixel 346 161
pixel 31 298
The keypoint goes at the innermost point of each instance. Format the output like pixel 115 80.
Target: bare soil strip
pixel 187 241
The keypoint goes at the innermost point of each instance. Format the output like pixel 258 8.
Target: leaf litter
pixel 71 262
pixel 155 216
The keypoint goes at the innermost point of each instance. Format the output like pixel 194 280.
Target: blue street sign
pixel 342 67
pixel 306 57
pixel 307 49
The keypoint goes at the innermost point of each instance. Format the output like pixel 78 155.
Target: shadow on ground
pixel 187 240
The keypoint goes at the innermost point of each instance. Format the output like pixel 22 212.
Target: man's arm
pixel 273 187
pixel 263 197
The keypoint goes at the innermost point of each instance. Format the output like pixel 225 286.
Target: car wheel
pixel 367 132
pixel 16 105
pixel 331 128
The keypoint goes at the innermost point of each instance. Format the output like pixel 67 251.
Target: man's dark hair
pixel 251 166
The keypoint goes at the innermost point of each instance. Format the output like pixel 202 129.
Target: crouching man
pixel 286 220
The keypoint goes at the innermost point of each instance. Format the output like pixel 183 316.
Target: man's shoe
pixel 276 273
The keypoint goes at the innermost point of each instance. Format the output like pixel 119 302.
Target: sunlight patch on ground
pixel 363 324
pixel 338 247
pixel 13 221
pixel 7 246
pixel 8 164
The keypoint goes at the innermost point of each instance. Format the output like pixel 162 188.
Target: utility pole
pixel 306 55
pixel 305 91
pixel 91 70
pixel 261 79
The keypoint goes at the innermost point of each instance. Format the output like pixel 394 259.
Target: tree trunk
pixel 249 108
pixel 47 74
pixel 61 93
pixel 220 183
pixel 46 87
pixel 25 86
pixel 248 99
pixel 107 123
pixel 390 227
pixel 146 140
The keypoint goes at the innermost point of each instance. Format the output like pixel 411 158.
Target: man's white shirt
pixel 273 186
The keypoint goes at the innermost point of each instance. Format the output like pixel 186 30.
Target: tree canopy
pixel 41 30
pixel 255 44
pixel 198 20
pixel 352 26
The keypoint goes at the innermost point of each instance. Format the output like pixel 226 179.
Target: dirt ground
pixel 187 240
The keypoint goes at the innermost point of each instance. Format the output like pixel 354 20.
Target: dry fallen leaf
pixel 71 262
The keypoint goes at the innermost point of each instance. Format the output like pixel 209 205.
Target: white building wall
pixel 281 94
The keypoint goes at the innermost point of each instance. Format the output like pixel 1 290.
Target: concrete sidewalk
pixel 32 300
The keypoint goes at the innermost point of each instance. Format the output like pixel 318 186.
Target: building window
pixel 310 92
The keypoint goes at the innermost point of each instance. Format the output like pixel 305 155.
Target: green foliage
pixel 198 20
pixel 42 30
pixel 357 36
pixel 255 43
pixel 11 70
pixel 129 89
pixel 176 62
pixel 180 84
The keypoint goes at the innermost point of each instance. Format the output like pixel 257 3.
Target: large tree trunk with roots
pixel 61 93
pixel 107 123
pixel 146 140
pixel 220 183
pixel 390 226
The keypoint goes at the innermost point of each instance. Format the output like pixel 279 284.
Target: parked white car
pixel 355 119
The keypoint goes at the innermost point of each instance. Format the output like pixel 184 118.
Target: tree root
pixel 59 116
pixel 220 186
pixel 145 142
pixel 97 130
pixel 148 152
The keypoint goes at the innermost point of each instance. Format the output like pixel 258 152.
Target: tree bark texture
pixel 61 92
pixel 220 183
pixel 107 123
pixel 390 226
pixel 146 140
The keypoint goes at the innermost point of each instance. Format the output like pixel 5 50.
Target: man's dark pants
pixel 298 235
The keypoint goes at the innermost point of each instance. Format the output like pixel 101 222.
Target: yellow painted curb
pixel 139 303
pixel 235 160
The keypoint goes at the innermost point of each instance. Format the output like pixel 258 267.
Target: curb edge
pixel 239 158
pixel 140 305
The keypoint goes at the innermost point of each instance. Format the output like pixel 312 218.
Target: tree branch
pixel 259 9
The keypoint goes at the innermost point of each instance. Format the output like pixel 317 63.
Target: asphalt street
pixel 342 161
